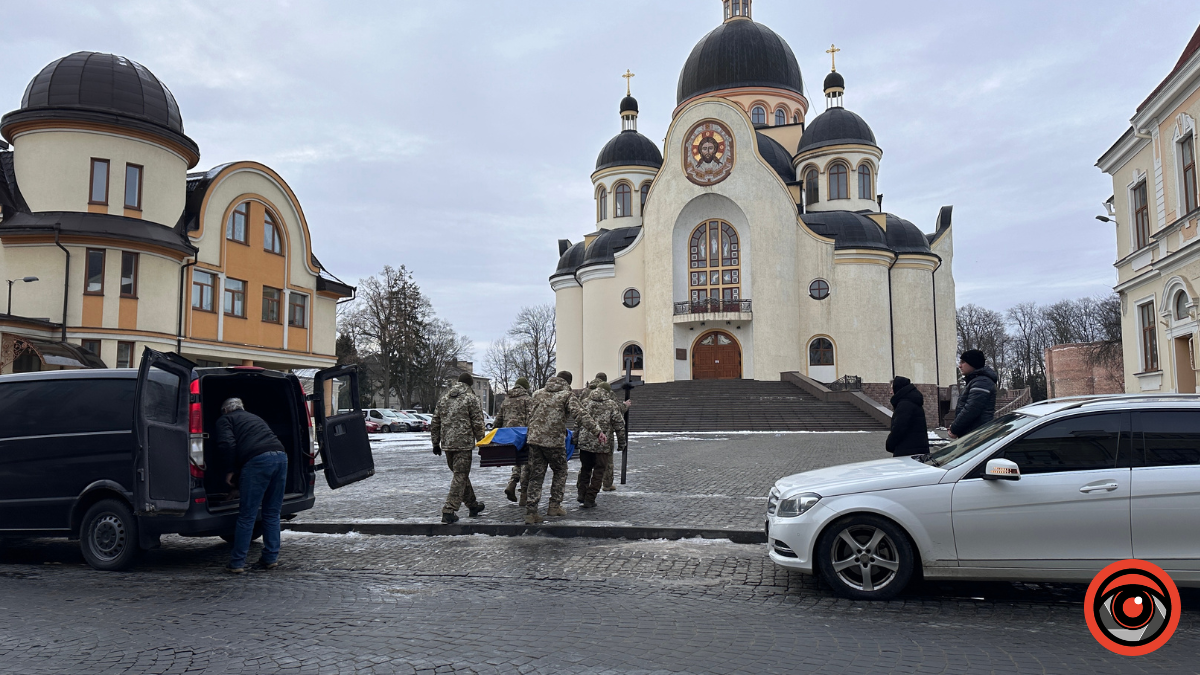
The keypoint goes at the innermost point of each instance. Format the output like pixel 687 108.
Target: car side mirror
pixel 1002 469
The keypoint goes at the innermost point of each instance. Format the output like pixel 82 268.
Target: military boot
pixel 532 519
pixel 449 518
pixel 475 510
pixel 511 491
pixel 589 503
pixel 522 501
pixel 556 510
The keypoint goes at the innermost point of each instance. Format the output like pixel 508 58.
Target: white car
pixel 1052 492
pixel 391 420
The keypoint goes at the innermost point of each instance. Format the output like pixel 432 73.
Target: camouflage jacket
pixel 613 395
pixel 457 420
pixel 608 417
pixel 514 412
pixel 549 411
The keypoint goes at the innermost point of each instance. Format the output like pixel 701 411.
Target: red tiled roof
pixel 1192 47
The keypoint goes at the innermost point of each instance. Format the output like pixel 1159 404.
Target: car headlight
pixel 797 505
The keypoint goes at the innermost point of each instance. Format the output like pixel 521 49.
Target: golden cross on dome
pixel 628 78
pixel 832 52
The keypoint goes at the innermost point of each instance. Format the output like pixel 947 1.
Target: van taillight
pixel 196 429
pixel 195 418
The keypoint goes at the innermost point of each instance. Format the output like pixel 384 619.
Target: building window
pixel 811 193
pixel 1141 217
pixel 133 187
pixel 645 195
pixel 124 354
pixel 632 355
pixel 715 276
pixel 865 189
pixel 624 200
pixel 632 298
pixel 235 229
pixel 819 289
pixel 270 305
pixel 98 183
pixel 235 298
pixel 298 310
pixel 202 290
pixel 95 272
pixel 838 188
pixel 1188 148
pixel 92 346
pixel 272 241
pixel 602 205
pixel 780 117
pixel 129 274
pixel 1181 306
pixel 758 115
pixel 796 117
pixel 204 363
pixel 820 352
pixel 1149 337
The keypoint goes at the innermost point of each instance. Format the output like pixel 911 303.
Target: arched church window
pixel 632 298
pixel 758 115
pixel 235 228
pixel 632 353
pixel 820 352
pixel 796 117
pixel 624 201
pixel 838 188
pixel 714 278
pixel 602 204
pixel 811 194
pixel 645 195
pixel 780 118
pixel 819 289
pixel 865 189
pixel 272 239
pixel 1181 303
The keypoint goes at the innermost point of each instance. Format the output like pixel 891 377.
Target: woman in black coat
pixel 910 435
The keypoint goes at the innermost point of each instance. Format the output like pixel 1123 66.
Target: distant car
pixel 488 421
pixel 372 425
pixel 390 420
pixel 415 422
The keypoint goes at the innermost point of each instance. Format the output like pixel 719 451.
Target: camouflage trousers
pixel 520 474
pixel 541 457
pixel 592 470
pixel 608 471
pixel 461 490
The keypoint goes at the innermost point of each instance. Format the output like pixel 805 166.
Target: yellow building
pixel 1156 209
pixel 131 249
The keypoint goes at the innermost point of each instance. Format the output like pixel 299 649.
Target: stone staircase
pixel 740 405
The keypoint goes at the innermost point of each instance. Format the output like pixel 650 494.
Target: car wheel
pixel 865 557
pixel 108 536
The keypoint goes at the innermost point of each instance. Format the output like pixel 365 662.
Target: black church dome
pixel 570 260
pixel 739 53
pixel 629 148
pixel 834 80
pixel 836 126
pixel 629 104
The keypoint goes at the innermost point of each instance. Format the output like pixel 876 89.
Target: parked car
pixel 1054 491
pixel 390 420
pixel 135 460
pixel 372 426
pixel 488 421
pixel 420 420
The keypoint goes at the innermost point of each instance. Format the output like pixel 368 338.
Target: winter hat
pixel 602 377
pixel 973 358
pixel 565 377
pixel 899 383
pixel 522 382
pixel 605 386
pixel 466 379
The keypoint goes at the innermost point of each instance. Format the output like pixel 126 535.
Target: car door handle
pixel 1106 486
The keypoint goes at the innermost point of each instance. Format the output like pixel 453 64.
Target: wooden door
pixel 716 356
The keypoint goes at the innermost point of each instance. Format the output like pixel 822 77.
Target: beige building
pixel 753 243
pixel 1156 209
pixel 132 249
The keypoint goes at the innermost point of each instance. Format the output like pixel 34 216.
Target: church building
pixel 753 243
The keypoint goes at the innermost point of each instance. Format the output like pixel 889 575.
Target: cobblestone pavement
pixel 352 603
pixel 706 480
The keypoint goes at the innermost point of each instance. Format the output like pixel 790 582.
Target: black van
pixel 117 458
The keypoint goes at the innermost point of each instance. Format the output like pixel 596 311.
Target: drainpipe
pixel 182 301
pixel 892 314
pixel 937 363
pixel 66 279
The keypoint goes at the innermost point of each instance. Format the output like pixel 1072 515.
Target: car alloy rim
pixel 865 558
pixel 108 537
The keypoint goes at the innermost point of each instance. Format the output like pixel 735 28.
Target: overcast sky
pixel 457 138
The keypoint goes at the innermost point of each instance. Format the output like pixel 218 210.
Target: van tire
pixel 108 536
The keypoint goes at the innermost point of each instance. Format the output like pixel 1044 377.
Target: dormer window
pixel 758 115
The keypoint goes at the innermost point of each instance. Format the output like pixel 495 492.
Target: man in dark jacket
pixel 977 401
pixel 910 434
pixel 246 443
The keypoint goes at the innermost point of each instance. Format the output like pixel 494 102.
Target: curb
pixel 502 530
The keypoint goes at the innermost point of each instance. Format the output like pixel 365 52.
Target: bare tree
pixel 533 331
pixel 442 349
pixel 390 316
pixel 1030 337
pixel 502 363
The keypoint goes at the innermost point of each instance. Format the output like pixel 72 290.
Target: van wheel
pixel 865 557
pixel 109 536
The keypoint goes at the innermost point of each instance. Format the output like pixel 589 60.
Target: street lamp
pixel 27 280
pixel 1106 219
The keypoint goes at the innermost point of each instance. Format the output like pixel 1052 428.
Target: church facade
pixel 753 243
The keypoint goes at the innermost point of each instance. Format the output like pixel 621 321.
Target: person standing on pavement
pixel 977 401
pixel 245 442
pixel 594 456
pixel 910 432
pixel 547 441
pixel 602 378
pixel 457 425
pixel 514 412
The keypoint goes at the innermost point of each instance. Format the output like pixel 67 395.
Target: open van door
pixel 163 479
pixel 345 448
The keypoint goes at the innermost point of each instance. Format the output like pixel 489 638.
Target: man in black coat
pixel 977 401
pixel 246 442
pixel 910 434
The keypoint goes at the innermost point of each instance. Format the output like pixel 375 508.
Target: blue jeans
pixel 262 483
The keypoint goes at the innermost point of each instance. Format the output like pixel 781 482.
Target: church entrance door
pixel 716 356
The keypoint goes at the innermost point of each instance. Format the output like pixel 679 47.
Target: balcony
pixel 713 310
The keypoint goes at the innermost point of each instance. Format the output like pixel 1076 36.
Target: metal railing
pixel 712 306
pixel 846 383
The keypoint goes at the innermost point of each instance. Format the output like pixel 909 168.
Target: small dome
pixel 605 247
pixel 847 228
pixel 836 126
pixel 629 104
pixel 904 237
pixel 571 260
pixel 739 53
pixel 777 156
pixel 629 148
pixel 834 80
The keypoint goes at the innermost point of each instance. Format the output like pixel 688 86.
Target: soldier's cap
pixel 606 386
pixel 602 377
pixel 565 376
pixel 522 382
pixel 466 379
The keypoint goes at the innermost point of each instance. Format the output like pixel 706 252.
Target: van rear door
pixel 345 448
pixel 163 480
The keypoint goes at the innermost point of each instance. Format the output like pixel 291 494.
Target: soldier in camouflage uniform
pixel 594 456
pixel 514 412
pixel 457 425
pixel 547 438
pixel 601 378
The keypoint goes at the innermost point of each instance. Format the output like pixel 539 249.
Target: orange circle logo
pixel 1132 607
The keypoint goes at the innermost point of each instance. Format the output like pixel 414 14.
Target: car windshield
pixel 391 413
pixel 950 456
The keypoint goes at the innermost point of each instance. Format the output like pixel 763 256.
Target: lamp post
pixel 27 280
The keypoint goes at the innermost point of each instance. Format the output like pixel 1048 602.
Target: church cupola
pixel 629 106
pixel 835 84
pixel 737 9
